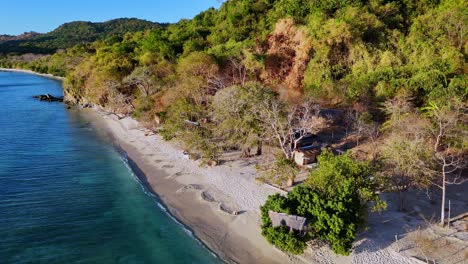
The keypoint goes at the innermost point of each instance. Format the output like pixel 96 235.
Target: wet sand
pixel 191 199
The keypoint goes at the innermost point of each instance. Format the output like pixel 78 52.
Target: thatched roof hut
pixel 294 222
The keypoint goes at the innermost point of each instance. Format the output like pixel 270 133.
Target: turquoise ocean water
pixel 68 196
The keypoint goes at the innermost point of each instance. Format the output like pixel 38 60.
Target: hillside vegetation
pixel 71 34
pixel 261 73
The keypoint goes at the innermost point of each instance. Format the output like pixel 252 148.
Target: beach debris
pixel 212 163
pixel 226 209
pixel 190 187
pixel 86 105
pixel 180 173
pixel 48 98
pixel 177 174
pixel 207 197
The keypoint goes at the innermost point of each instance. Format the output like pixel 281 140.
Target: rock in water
pixel 48 98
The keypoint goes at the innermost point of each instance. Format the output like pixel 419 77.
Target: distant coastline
pixel 58 78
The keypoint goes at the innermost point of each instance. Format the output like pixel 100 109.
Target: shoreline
pixel 198 196
pixel 190 198
pixel 194 196
pixel 144 183
pixel 46 75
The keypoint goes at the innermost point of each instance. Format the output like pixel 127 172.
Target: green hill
pixel 71 34
pixel 257 73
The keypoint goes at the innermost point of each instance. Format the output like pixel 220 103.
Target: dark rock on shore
pixel 48 98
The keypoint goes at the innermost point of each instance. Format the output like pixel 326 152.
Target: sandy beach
pixel 58 78
pixel 199 196
pixel 202 198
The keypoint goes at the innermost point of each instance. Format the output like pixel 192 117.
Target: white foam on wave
pixel 124 158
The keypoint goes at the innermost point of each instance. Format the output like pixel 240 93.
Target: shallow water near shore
pixel 68 196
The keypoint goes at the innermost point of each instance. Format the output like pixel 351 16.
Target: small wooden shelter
pixel 294 222
pixel 306 155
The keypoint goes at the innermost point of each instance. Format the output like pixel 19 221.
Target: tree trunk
pixel 259 148
pixel 290 182
pixel 442 210
pixel 246 153
pixel 287 154
pixel 401 198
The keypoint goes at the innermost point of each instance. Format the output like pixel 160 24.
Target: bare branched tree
pixel 239 75
pixel 372 131
pixel 405 159
pixel 349 119
pixel 289 125
pixel 449 137
pixel 144 79
pixel 451 166
pixel 405 152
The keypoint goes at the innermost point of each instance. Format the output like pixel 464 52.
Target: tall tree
pixel 198 77
pixel 233 111
pixel 143 78
pixel 288 124
pixel 406 156
pixel 449 136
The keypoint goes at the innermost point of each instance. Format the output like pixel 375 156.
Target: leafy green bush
pixel 281 237
pixel 332 219
pixel 285 240
pixel 334 172
pixel 334 201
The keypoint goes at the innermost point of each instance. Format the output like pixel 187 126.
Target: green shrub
pixel 331 219
pixel 334 202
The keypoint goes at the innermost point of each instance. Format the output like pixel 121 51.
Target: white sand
pixel 233 185
pixel 33 72
pixel 235 238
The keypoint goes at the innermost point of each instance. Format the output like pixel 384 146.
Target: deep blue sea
pixel 68 196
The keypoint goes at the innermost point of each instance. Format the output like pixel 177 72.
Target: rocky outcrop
pixel 48 98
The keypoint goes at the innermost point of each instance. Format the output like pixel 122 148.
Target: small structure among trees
pixel 306 155
pixel 307 150
pixel 294 222
pixel 333 199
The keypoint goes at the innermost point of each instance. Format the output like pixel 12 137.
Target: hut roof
pixel 312 149
pixel 309 151
pixel 292 221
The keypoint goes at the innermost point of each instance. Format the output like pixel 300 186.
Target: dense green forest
pixel 71 34
pixel 257 74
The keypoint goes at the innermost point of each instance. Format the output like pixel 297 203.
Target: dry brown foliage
pixel 288 52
